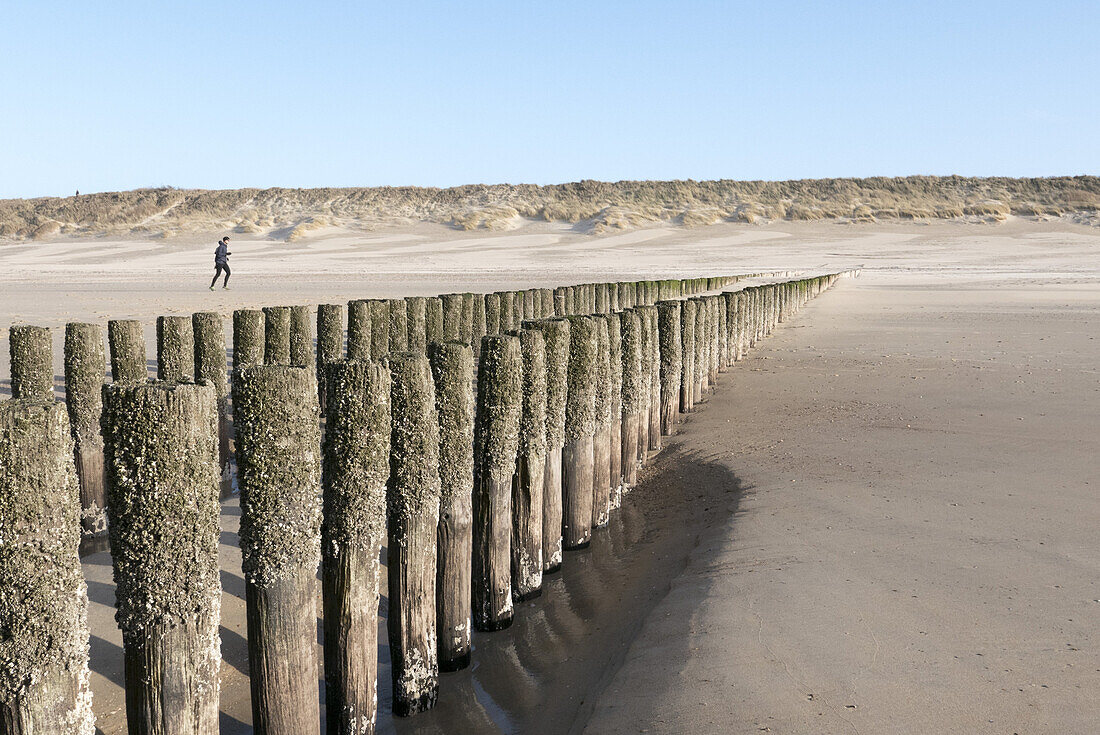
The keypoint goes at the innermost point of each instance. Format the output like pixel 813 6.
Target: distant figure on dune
pixel 221 262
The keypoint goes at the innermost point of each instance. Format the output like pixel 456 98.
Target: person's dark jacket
pixel 221 255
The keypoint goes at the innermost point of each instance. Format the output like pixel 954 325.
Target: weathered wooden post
pixel 127 347
pixel 601 437
pixel 453 306
pixel 668 315
pixel 416 310
pixel 360 331
pixel 398 324
pixel 330 345
pixel 702 359
pixel 507 300
pixel 570 300
pixel 279 471
pixel 379 329
pixel 433 320
pixel 453 372
pixel 615 417
pixel 175 349
pixel 714 346
pixel 580 425
pixel 722 312
pixel 162 500
pixel 211 366
pixel 412 500
pixel 31 352
pixel 301 338
pixel 530 476
pixel 276 335
pixel 633 393
pixel 492 313
pixel 468 321
pixel 355 470
pixel 43 598
pixel 559 302
pixel 85 368
pixel 478 329
pixel 645 395
pixel 555 333
pixel 653 315
pixel 496 442
pixel 687 362
pixel 546 303
pixel 248 338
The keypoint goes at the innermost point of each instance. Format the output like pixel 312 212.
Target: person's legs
pixel 225 283
pixel 217 272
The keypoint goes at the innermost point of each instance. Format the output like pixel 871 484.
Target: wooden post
pixel 601 437
pixel 175 349
pixel 301 338
pixel 556 338
pixel 714 344
pixel 211 365
pixel 580 426
pixel 702 360
pixel 687 364
pixel 248 338
pixel 615 417
pixel 127 347
pixel 507 311
pixel 652 315
pixel 399 325
pixel 85 368
pixel 633 394
pixel 559 301
pixel 492 313
pixel 478 330
pixel 452 316
pixel 496 442
pixel 453 372
pixel 31 352
pixel 279 470
pixel 433 320
pixel 416 317
pixel 468 321
pixel 668 315
pixel 276 335
pixel 360 331
pixel 646 381
pixel 162 488
pixel 412 500
pixel 379 328
pixel 330 345
pixel 570 301
pixel 44 656
pixel 354 473
pixel 530 476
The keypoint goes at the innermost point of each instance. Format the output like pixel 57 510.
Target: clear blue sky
pixel 116 95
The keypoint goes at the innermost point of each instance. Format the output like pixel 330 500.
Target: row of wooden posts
pixel 477 480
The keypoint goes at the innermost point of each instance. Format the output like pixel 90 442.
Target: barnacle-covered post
pixel 559 301
pixel 580 426
pixel 546 303
pixel 477 328
pixel 379 329
pixel 162 501
pixel 355 470
pixel 615 416
pixel 714 345
pixel 399 325
pixel 652 315
pixel 603 298
pixel 601 437
pixel 496 442
pixel 555 334
pixel 31 352
pixel 301 337
pixel 433 320
pixel 126 342
pixel 532 304
pixel 44 651
pixel 416 314
pixel 248 338
pixel 175 349
pixel 492 313
pixel 359 330
pixel 687 363
pixel 702 356
pixel 632 395
pixel 530 474
pixel 668 316
pixel 722 312
pixel 412 501
pixel 453 371
pixel 85 368
pixel 211 365
pixel 570 300
pixel 468 320
pixel 645 393
pixel 453 306
pixel 507 300
pixel 276 335
pixel 330 344
pixel 279 470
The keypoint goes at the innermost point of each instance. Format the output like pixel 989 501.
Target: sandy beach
pixel 882 521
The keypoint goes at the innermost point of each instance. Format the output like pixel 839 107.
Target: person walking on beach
pixel 221 262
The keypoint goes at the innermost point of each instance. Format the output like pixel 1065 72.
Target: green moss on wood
pixel 555 333
pixel 414 485
pixel 671 347
pixel 580 404
pixel 453 373
pixel 499 403
pixel 279 470
pixel 31 352
pixel 603 374
pixel 356 465
pixel 162 502
pixel 634 389
pixel 532 430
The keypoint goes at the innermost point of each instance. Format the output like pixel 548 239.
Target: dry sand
pixel 881 522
